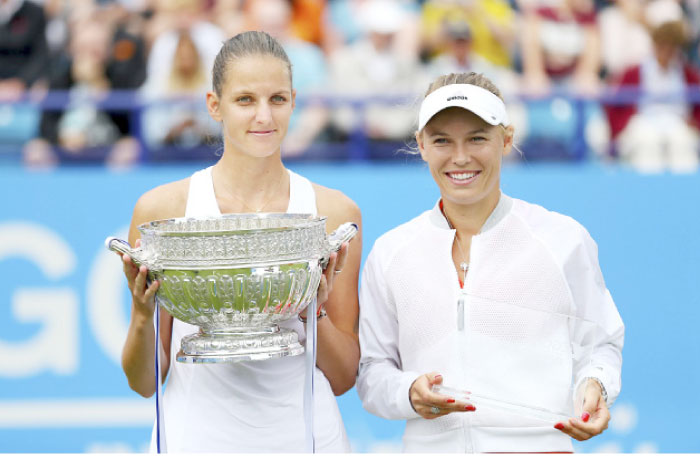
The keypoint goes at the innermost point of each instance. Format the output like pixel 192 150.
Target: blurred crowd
pixel 609 79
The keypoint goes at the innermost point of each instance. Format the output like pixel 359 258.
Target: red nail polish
pixel 450 401
pixel 585 416
pixel 437 377
pixel 559 426
pixel 469 408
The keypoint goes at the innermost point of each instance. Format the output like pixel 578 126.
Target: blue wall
pixel 64 304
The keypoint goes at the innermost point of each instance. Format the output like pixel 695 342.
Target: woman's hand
pixel 595 415
pixel 143 295
pixel 431 405
pixel 336 262
pixel 335 265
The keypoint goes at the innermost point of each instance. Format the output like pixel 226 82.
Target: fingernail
pixel 450 401
pixel 585 416
pixel 559 426
pixel 469 408
pixel 437 377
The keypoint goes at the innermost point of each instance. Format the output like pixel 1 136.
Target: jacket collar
pixel 505 203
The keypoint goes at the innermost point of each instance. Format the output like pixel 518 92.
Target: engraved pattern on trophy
pixel 237 299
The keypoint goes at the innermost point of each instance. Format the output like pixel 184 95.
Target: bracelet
pixel 603 391
pixel 322 313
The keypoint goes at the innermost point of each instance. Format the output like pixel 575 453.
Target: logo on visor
pixel 457 97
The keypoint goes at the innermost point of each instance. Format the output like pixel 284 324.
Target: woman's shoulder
pixel 334 204
pixel 551 227
pixel 540 217
pixel 417 231
pixel 162 202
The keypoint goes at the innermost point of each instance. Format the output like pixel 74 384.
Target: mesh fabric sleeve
pixel 593 301
pixel 381 384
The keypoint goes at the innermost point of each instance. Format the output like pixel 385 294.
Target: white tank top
pixel 246 407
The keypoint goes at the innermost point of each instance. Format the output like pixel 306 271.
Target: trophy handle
pixel 118 245
pixel 342 234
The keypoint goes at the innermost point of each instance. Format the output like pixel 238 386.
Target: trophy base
pixel 232 347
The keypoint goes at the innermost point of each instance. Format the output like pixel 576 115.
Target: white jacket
pixel 529 269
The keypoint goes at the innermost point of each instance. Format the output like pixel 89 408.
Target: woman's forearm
pixel 338 355
pixel 138 355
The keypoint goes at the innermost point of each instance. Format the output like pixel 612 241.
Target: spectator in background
pixel 624 37
pixel 24 53
pixel 307 20
pixel 346 25
pixel 625 30
pixel 661 130
pixel 491 24
pixel 126 62
pixel 84 130
pixel 560 52
pixel 459 57
pixel 560 45
pixel 373 67
pixel 126 65
pixel 126 15
pixel 177 115
pixel 229 16
pixel 309 72
pixel 170 17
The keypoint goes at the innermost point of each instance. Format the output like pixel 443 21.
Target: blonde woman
pixel 479 249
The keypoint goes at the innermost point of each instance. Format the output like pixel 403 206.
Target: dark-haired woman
pixel 248 406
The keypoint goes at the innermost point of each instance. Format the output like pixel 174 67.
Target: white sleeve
pixel 381 383
pixel 594 302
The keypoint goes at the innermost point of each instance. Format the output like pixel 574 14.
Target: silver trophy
pixel 236 277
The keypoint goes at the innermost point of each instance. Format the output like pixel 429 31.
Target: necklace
pixel 265 203
pixel 464 266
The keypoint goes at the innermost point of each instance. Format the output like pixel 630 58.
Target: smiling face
pixel 254 106
pixel 464 156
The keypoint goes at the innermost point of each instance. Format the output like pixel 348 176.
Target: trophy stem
pixel 252 344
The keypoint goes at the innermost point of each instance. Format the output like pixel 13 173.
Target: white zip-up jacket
pixel 538 320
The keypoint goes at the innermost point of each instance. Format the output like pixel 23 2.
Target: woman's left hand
pixel 595 415
pixel 335 265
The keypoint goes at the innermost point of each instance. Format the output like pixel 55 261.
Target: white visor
pixel 467 96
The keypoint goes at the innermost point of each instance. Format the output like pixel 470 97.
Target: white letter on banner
pixel 55 347
pixel 105 307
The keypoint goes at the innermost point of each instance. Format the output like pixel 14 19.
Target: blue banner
pixel 64 304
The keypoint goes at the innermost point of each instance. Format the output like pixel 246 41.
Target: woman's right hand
pixel 143 295
pixel 430 405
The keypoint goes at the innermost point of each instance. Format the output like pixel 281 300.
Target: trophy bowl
pixel 236 277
